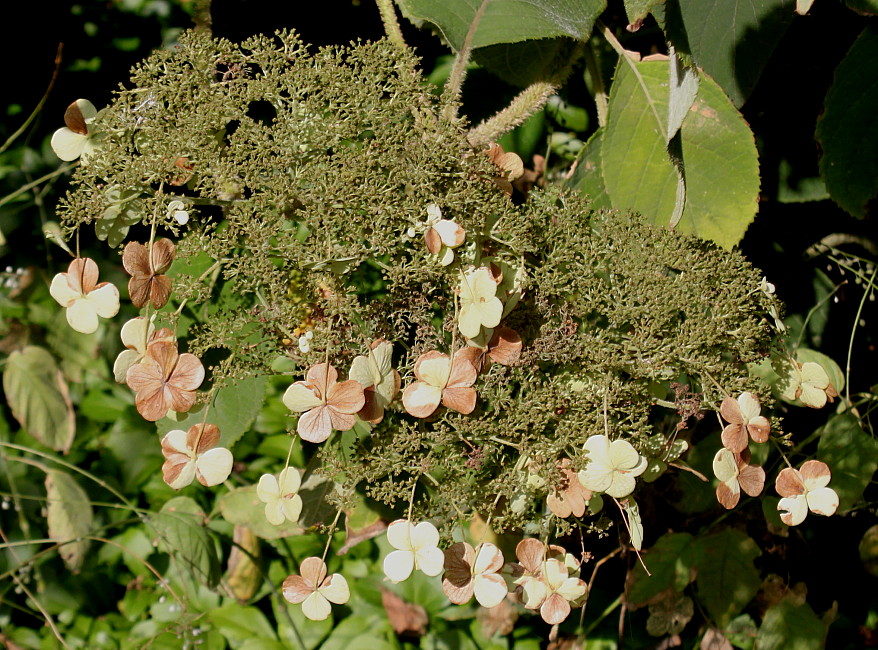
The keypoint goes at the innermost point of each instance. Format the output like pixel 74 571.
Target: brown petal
pixel 346 397
pixel 474 355
pixel 789 483
pixel 505 346
pixel 370 412
pixel 208 439
pixel 462 400
pixel 463 373
pixel 558 506
pixel 296 589
pixel 315 425
pixel 162 255
pixel 433 241
pixel 146 376
pixel 555 609
pixel 165 355
pixel 135 260
pixel 731 411
pixel 151 403
pixel 735 438
pixel 727 497
pixel 313 570
pixel 188 373
pixel 531 552
pixel 752 479
pixel 138 290
pixel 405 618
pixel 321 376
pixel 459 558
pixel 814 469
pixel 340 421
pixel 179 400
pixel 759 429
pixel 159 290
pixel 75 120
pixel 172 467
pixel 164 335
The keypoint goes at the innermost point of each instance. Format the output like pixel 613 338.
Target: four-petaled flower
pixel 281 496
pixel 78 290
pixel 194 454
pixel 544 579
pixel 810 384
pixel 612 466
pixel 137 335
pixel 561 590
pixel 325 403
pixel 78 137
pixel 736 474
pixel 441 380
pixel 569 497
pixel 442 236
pixel 744 420
pixel 805 489
pixel 416 548
pixel 380 381
pixel 164 380
pixel 479 304
pixel 471 571
pixel 148 282
pixel 315 590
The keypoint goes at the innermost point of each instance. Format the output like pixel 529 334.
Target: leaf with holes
pixel 37 395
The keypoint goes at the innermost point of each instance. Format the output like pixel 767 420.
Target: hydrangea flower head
pixel 612 466
pixel 78 290
pixel 164 380
pixel 325 403
pixel 441 380
pixel 736 474
pixel 442 235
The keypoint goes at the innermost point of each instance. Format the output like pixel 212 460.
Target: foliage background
pixel 102 41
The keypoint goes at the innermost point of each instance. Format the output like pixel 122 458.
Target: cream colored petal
pixel 361 371
pixel 424 535
pixel 268 489
pixel 749 406
pixel 335 589
pixel 433 368
pixel 482 284
pixel 398 565
pixel 421 399
pixel 62 292
pixel 298 398
pixel 469 321
pixel 105 300
pixel 814 375
pixel 490 589
pixel 572 589
pixel 296 589
pixel 724 465
pixel 446 256
pixel 291 507
pixel 175 441
pixel 621 486
pixel 82 317
pixel 812 396
pixel 289 481
pixel 555 609
pixel 598 448
pixel 533 592
pixel 823 501
pixel 623 455
pixel 274 512
pixel 596 476
pixel 316 607
pixel 430 560
pixel 67 145
pixel 399 534
pixel 321 376
pixel 124 361
pixel 214 466
pixel 815 474
pixel 451 234
pixel 136 332
pixel 489 559
pixel 793 510
pixel 315 425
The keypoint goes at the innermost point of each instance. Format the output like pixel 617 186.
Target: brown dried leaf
pixel 407 619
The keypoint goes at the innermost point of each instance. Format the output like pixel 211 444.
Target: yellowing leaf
pixel 69 515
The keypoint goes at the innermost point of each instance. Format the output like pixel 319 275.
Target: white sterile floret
pixel 479 304
pixel 281 496
pixel 612 466
pixel 417 548
pixel 77 138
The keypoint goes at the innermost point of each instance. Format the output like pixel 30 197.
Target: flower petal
pixel 421 399
pixel 430 560
pixel 124 361
pixel 433 368
pixel 291 507
pixel 82 317
pixel 316 607
pixel 299 397
pixel 793 510
pixel 214 466
pixel 315 425
pixel 398 565
pixel 62 292
pixel 313 569
pixel 822 501
pixel 724 465
pixel 489 559
pixel 423 535
pixel 335 589
pixel 728 493
pixel 555 609
pixel 268 490
pixel 730 409
pixel 462 400
pixel 734 438
pixel 490 589
pixel 789 483
pixel 188 373
pixel 752 479
pixel 296 589
pixel 399 534
pixel 178 475
pixel 815 474
pixel 67 145
pixel 289 481
pixel 346 397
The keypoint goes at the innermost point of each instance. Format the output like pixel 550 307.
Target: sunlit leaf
pixel 37 394
pixel 69 515
pixel 790 625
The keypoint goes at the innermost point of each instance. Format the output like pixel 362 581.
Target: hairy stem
pixel 391 24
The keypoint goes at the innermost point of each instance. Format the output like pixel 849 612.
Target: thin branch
pixel 391 24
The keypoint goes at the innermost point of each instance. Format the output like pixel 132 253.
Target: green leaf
pixel 727 579
pixel 37 394
pixel 731 40
pixel 238 623
pixel 181 532
pixel 790 626
pixel 69 516
pixel 587 176
pixel 836 376
pixel 852 456
pixel 303 633
pixel 864 7
pixel 359 633
pixel 521 64
pixel 505 21
pixel 233 410
pixel 637 10
pixel 718 152
pixel 848 131
pixel 671 561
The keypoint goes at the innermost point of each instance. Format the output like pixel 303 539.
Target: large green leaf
pixel 852 456
pixel 789 625
pixel 242 507
pixel 731 40
pixel 69 515
pixel 671 561
pixel 718 153
pixel 848 129
pixel 181 532
pixel 505 21
pixel 37 394
pixel 727 579
pixel 233 410
pixel 587 176
pixel 521 64
pixel 239 623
